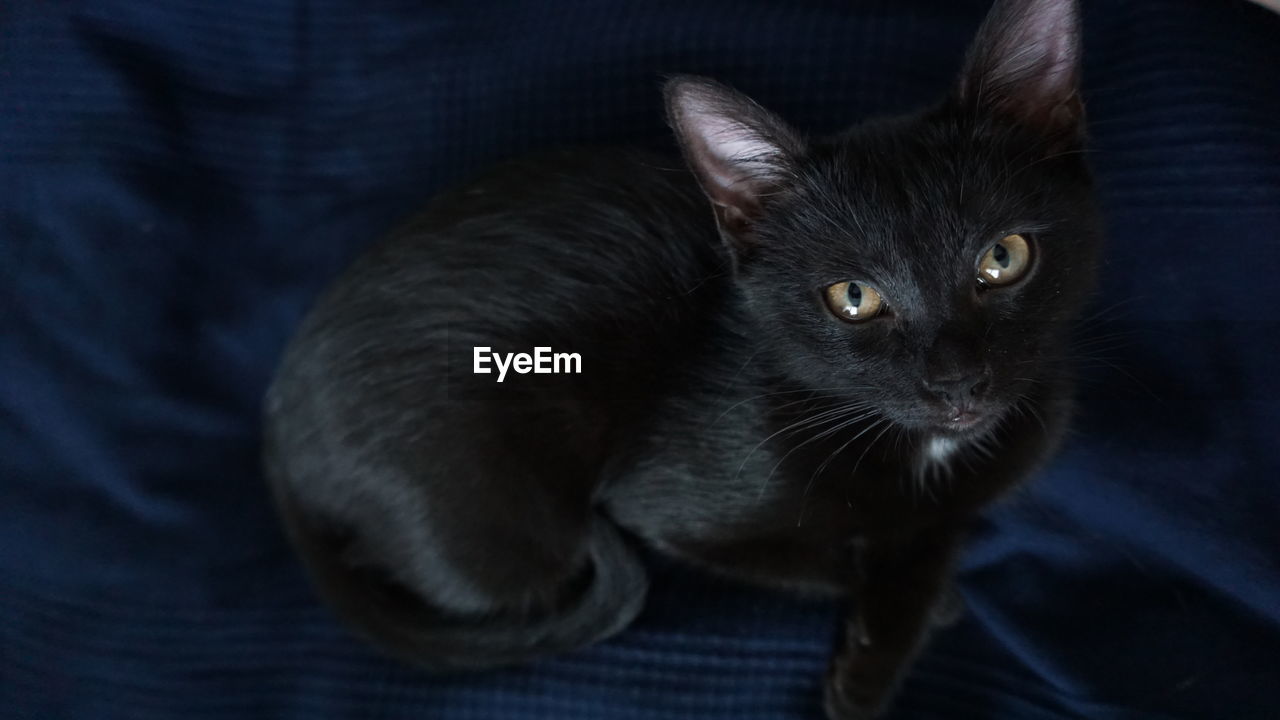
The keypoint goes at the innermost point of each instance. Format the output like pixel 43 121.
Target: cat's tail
pixel 607 597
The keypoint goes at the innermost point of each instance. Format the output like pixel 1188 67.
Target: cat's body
pixel 722 414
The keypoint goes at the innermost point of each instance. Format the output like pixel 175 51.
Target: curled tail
pixel 604 598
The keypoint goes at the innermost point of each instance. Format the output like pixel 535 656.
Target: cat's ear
pixel 740 152
pixel 1024 65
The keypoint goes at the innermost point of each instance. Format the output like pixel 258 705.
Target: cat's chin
pixel 961 432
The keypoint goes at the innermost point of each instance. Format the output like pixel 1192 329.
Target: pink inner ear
pixel 1044 51
pixel 738 150
pixel 734 155
pixel 1025 62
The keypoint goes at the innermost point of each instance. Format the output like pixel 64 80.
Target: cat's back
pixel 578 237
pixel 607 260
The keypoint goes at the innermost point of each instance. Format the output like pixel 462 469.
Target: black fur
pixel 724 416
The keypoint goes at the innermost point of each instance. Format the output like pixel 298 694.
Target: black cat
pixel 817 385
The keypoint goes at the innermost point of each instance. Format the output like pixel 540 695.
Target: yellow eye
pixel 854 301
pixel 1004 262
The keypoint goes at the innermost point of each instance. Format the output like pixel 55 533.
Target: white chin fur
pixel 938 449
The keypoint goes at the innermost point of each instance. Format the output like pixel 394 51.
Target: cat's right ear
pixel 740 152
pixel 1024 66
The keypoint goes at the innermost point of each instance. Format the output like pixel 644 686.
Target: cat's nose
pixel 954 367
pixel 959 390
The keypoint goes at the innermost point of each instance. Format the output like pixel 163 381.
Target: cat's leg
pixel 902 582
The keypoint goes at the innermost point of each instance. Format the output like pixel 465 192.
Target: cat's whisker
pixel 1025 406
pixel 1107 311
pixel 1089 340
pixel 1104 345
pixel 984 445
pixel 706 280
pixel 808 421
pixel 728 386
pixel 1093 360
pixel 811 391
pixel 1040 419
pixel 817 399
pixel 821 468
pixel 835 412
pixel 854 472
pixel 848 423
pixel 1047 158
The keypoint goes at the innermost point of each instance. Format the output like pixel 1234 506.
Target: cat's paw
pixel 854 689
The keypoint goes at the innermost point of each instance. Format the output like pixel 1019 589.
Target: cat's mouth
pixel 964 419
pixel 957 422
pixel 967 419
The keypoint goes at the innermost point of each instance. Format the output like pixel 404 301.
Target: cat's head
pixel 930 264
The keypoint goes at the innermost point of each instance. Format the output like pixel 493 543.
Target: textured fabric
pixel 179 178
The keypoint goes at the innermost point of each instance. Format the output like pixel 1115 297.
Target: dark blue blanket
pixel 179 178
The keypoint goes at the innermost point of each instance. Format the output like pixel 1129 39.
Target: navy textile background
pixel 179 178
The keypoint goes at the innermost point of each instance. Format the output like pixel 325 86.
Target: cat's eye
pixel 854 301
pixel 1004 262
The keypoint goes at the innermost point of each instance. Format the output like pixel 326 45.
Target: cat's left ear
pixel 740 152
pixel 1024 66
